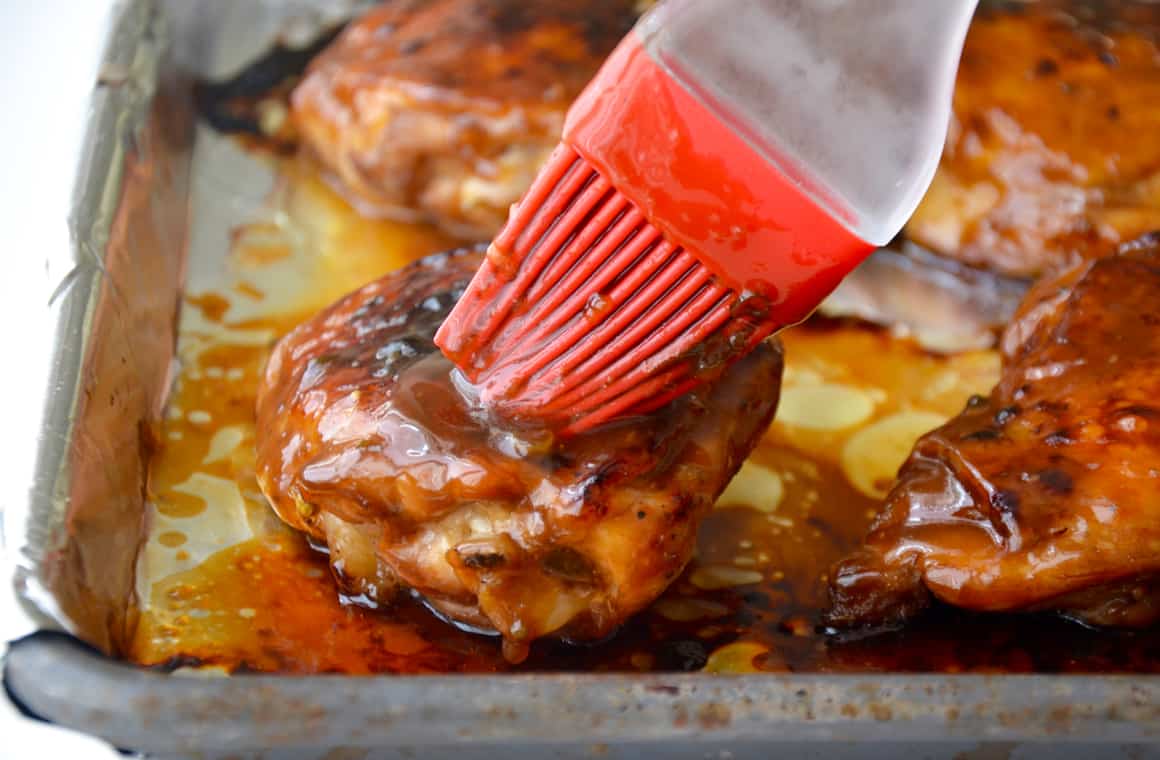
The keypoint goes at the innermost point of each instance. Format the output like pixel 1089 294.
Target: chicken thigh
pixel 1051 156
pixel 444 110
pixel 369 444
pixel 1051 153
pixel 1046 494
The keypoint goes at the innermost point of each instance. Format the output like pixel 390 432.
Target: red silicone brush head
pixel 656 247
pixel 583 311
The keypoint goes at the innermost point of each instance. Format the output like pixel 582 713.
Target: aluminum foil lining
pixel 140 213
pixel 73 543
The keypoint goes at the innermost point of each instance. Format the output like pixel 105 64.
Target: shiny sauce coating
pixel 224 584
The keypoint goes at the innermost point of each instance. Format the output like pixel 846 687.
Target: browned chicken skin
pixel 444 109
pixel 1051 156
pixel 1046 495
pixel 365 444
pixel 1051 152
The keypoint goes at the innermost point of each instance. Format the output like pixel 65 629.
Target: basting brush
pixel 730 163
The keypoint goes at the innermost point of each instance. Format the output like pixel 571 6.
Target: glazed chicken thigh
pixel 1046 494
pixel 367 444
pixel 1051 156
pixel 443 110
pixel 1051 153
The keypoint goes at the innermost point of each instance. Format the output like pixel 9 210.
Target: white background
pixel 49 54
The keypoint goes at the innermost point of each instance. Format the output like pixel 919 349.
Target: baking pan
pixel 156 198
pixel 678 716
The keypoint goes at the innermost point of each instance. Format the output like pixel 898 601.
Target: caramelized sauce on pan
pixel 222 583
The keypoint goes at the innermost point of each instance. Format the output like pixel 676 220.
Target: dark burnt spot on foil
pixel 231 106
pixel 684 655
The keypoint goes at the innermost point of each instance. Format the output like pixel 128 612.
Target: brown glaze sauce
pixel 751 600
pixel 224 584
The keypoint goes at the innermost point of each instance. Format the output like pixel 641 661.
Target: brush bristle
pixel 582 311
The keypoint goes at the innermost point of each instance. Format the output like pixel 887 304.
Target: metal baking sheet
pixel 674 716
pixel 155 203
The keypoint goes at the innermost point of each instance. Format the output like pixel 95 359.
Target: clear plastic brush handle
pixel 851 97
